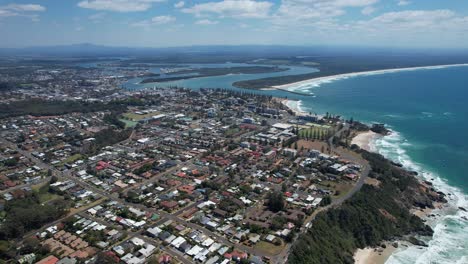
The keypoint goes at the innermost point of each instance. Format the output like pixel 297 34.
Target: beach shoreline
pixel 365 140
pixel 320 80
pixel 376 255
pixel 294 105
pixel 380 255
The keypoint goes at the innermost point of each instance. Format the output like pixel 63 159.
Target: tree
pixel 275 201
pixel 53 179
pixel 107 258
pixel 326 201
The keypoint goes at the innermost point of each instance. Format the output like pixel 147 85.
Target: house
pixel 48 260
pixel 169 204
pixel 165 259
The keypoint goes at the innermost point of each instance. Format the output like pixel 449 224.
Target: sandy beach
pixel 424 213
pixel 364 140
pixel 294 106
pixel 374 255
pixel 320 80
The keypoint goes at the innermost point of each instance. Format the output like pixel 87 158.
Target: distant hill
pixel 87 49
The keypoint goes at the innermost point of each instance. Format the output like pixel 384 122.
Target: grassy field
pixel 231 131
pixel 315 132
pixel 136 117
pixel 73 158
pixel 69 160
pixel 44 195
pixel 128 123
pixel 272 249
pixel 342 187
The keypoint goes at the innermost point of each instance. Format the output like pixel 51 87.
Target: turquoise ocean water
pixel 427 110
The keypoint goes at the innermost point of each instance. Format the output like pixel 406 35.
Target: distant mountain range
pixel 86 49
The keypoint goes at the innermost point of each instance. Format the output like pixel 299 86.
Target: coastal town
pixel 168 176
pixel 233 132
pixel 92 173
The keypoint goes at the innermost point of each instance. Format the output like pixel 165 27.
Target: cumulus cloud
pixel 403 2
pixel 313 11
pixel 368 10
pixel 157 20
pixel 24 10
pixel 206 22
pixel 413 27
pixel 25 7
pixel 179 4
pixel 97 17
pixel 232 8
pixel 118 5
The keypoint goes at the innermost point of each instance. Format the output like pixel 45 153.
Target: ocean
pixel 427 110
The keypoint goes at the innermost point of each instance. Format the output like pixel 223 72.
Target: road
pixel 280 258
pixel 283 256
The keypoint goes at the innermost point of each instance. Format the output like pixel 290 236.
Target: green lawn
pixel 128 123
pixel 136 117
pixel 270 248
pixel 44 195
pixel 316 132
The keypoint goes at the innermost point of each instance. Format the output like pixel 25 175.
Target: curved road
pixel 283 256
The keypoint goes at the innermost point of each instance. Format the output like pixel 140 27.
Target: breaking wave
pixel 450 224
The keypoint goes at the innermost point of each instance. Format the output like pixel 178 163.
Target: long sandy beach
pixel 320 80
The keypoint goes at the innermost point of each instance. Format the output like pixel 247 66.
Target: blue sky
pixel 163 23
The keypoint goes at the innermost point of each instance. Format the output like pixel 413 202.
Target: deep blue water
pixel 428 111
pixel 429 108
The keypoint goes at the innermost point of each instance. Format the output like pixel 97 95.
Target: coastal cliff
pixel 378 212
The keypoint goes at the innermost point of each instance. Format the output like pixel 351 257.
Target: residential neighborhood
pixel 191 177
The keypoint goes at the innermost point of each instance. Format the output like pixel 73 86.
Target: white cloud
pixel 97 17
pixel 23 10
pixel 232 8
pixel 368 10
pixel 403 2
pixel 157 20
pixel 206 22
pixel 6 13
pixel 411 19
pixel 179 4
pixel 25 7
pixel 298 12
pixel 414 26
pixel 118 5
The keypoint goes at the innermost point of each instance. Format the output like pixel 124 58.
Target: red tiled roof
pixel 48 260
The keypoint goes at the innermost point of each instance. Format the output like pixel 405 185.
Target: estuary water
pixel 427 109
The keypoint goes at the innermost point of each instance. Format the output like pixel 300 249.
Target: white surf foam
pixel 316 82
pixel 449 242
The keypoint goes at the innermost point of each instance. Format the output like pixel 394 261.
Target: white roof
pixel 282 126
pixel 137 241
pixel 194 250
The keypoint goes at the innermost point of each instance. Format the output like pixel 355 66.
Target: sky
pixel 167 23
